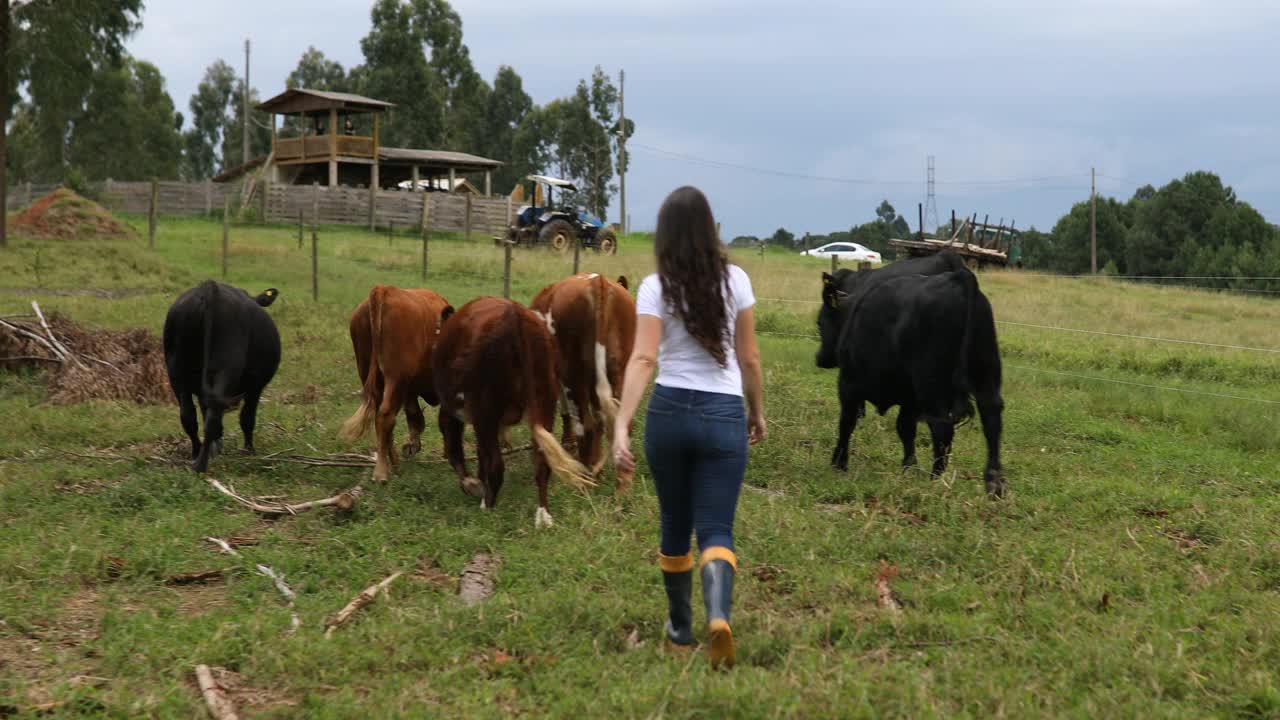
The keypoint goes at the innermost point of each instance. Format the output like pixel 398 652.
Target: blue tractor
pixel 558 228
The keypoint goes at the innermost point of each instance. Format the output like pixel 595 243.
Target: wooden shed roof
pixel 438 159
pixel 301 101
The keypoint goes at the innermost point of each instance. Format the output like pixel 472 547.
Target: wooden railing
pixel 317 146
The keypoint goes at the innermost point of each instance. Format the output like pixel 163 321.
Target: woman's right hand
pixel 757 430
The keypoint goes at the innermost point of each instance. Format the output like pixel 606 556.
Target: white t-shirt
pixel 682 361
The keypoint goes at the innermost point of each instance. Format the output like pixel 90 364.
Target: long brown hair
pixel 693 269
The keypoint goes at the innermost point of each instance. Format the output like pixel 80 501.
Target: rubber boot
pixel 677 576
pixel 718 567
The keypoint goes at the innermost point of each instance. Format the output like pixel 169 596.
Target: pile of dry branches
pixel 85 364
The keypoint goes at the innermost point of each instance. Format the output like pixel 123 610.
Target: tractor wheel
pixel 558 235
pixel 607 242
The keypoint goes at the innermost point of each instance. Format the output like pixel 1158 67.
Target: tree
pixel 782 238
pixel 508 107
pixel 208 117
pixel 317 72
pixel 396 70
pixel 217 112
pixel 50 51
pixel 128 129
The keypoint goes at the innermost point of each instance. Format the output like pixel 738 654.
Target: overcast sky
pixel 810 113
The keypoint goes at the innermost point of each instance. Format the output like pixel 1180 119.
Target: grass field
pixel 1133 570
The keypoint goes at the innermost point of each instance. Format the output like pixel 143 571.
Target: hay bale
pixel 64 215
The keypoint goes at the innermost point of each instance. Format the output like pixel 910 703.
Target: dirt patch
pixel 197 599
pixel 39 661
pixel 123 365
pixel 477 582
pixel 64 215
pixel 430 572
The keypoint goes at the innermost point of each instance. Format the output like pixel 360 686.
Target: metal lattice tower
pixel 931 201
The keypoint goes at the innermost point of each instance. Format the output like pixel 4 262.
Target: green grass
pixel 1134 570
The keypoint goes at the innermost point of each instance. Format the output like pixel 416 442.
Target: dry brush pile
pixel 83 364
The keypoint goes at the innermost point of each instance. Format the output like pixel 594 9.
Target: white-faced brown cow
pixel 393 333
pixel 495 364
pixel 594 323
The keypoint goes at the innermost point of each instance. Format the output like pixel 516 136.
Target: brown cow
pixel 392 333
pixel 495 364
pixel 594 324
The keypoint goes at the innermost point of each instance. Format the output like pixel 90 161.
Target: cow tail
pixel 609 405
pixel 541 387
pixel 358 424
pixel 960 376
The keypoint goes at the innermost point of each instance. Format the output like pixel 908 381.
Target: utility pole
pixel 1093 222
pixel 245 100
pixel 622 148
pixel 4 119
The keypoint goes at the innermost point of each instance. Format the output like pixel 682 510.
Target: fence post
pixel 226 231
pixel 467 222
pixel 391 230
pixel 426 214
pixel 835 263
pixel 373 204
pixel 299 227
pixel 920 210
pixel 208 196
pixel 315 266
pixel 315 203
pixel 864 266
pixel 577 247
pixel 265 190
pixel 151 213
pixel 806 242
pixel 28 202
pixel 106 195
pixel 506 270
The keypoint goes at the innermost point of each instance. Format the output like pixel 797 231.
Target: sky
pixel 807 114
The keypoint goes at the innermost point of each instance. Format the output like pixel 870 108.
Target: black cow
pixel 223 348
pixel 924 342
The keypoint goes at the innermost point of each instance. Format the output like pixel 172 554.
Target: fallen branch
pixel 221 707
pixel 344 500
pixel 63 351
pixel 365 597
pixel 885 596
pixel 28 334
pixel 224 545
pixel 289 595
pixel 193 578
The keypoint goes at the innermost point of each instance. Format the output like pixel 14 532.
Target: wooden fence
pixel 344 205
pixel 316 204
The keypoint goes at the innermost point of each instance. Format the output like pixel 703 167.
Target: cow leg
pixel 908 418
pixel 417 423
pixel 567 438
pixel 541 472
pixel 212 436
pixel 385 425
pixel 249 419
pixel 489 458
pixel 849 413
pixel 942 433
pixel 451 431
pixel 587 429
pixel 990 407
pixel 187 413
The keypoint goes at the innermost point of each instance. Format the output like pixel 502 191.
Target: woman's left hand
pixel 623 460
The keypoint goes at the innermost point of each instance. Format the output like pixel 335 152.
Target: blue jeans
pixel 696 446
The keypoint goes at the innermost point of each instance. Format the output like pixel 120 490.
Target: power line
pixel 707 162
pixel 1144 385
pixel 1137 337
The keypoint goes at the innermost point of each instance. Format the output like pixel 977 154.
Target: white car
pixel 846 251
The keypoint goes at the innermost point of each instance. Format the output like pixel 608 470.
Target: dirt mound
pixel 64 215
pixel 104 365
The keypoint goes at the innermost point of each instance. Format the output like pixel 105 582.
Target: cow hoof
pixel 908 463
pixel 472 487
pixel 410 449
pixel 542 519
pixel 247 450
pixel 995 485
pixel 215 449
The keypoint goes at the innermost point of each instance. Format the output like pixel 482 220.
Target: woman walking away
pixel 696 325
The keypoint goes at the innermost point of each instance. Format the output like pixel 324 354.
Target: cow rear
pixel 495 365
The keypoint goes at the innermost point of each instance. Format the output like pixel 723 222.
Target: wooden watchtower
pixel 321 139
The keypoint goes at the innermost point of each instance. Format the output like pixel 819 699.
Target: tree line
pixel 82 108
pixel 874 234
pixel 1192 226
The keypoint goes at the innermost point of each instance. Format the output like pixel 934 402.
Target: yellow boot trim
pixel 721 651
pixel 717 552
pixel 675 563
